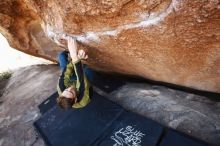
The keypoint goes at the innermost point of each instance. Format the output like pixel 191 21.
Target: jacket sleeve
pixel 78 69
pixel 74 69
pixel 69 72
pixel 82 85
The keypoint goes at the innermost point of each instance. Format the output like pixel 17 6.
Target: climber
pixel 73 86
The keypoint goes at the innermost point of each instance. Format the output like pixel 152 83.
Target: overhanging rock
pixel 174 41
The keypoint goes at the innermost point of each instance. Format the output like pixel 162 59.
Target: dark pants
pixel 63 61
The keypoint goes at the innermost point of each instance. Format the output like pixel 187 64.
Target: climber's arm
pixel 76 57
pixel 72 47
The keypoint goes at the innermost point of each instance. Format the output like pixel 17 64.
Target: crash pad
pixel 48 103
pixel 101 122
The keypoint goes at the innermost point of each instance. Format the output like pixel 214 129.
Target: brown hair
pixel 64 102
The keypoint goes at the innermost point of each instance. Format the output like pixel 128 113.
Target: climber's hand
pixel 82 54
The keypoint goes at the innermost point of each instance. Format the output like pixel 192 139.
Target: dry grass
pixel 5 75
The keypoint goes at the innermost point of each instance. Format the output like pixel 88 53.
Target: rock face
pixel 174 41
pixel 24 91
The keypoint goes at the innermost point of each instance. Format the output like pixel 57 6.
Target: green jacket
pixel 81 83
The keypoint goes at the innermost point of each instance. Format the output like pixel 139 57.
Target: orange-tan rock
pixel 173 41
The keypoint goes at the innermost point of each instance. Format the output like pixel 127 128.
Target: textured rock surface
pixel 174 41
pixel 28 87
pixel 25 90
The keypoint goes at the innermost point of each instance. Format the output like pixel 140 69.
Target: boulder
pixel 172 41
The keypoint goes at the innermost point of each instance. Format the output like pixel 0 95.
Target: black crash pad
pixel 48 103
pixel 174 138
pixel 101 122
pixel 130 129
pixel 106 82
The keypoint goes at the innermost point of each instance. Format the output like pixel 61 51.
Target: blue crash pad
pixel 101 122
